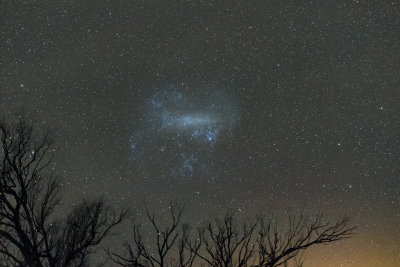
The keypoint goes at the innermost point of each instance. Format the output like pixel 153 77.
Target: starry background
pixel 241 105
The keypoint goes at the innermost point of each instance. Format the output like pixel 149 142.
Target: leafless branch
pixel 139 254
pixel 29 234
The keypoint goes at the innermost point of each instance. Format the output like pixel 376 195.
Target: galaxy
pixel 186 127
pixel 245 106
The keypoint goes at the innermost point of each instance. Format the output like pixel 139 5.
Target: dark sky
pixel 241 105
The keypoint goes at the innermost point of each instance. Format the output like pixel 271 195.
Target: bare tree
pixel 29 233
pixel 139 253
pixel 277 247
pixel 188 246
pixel 223 244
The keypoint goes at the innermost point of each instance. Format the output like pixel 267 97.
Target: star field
pixel 243 105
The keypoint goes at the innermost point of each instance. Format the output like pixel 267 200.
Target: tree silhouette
pixel 139 254
pixel 222 243
pixel 276 248
pixel 30 235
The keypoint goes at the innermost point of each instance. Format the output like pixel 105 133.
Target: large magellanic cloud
pixel 186 125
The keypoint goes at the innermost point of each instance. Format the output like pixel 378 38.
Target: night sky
pixel 240 105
